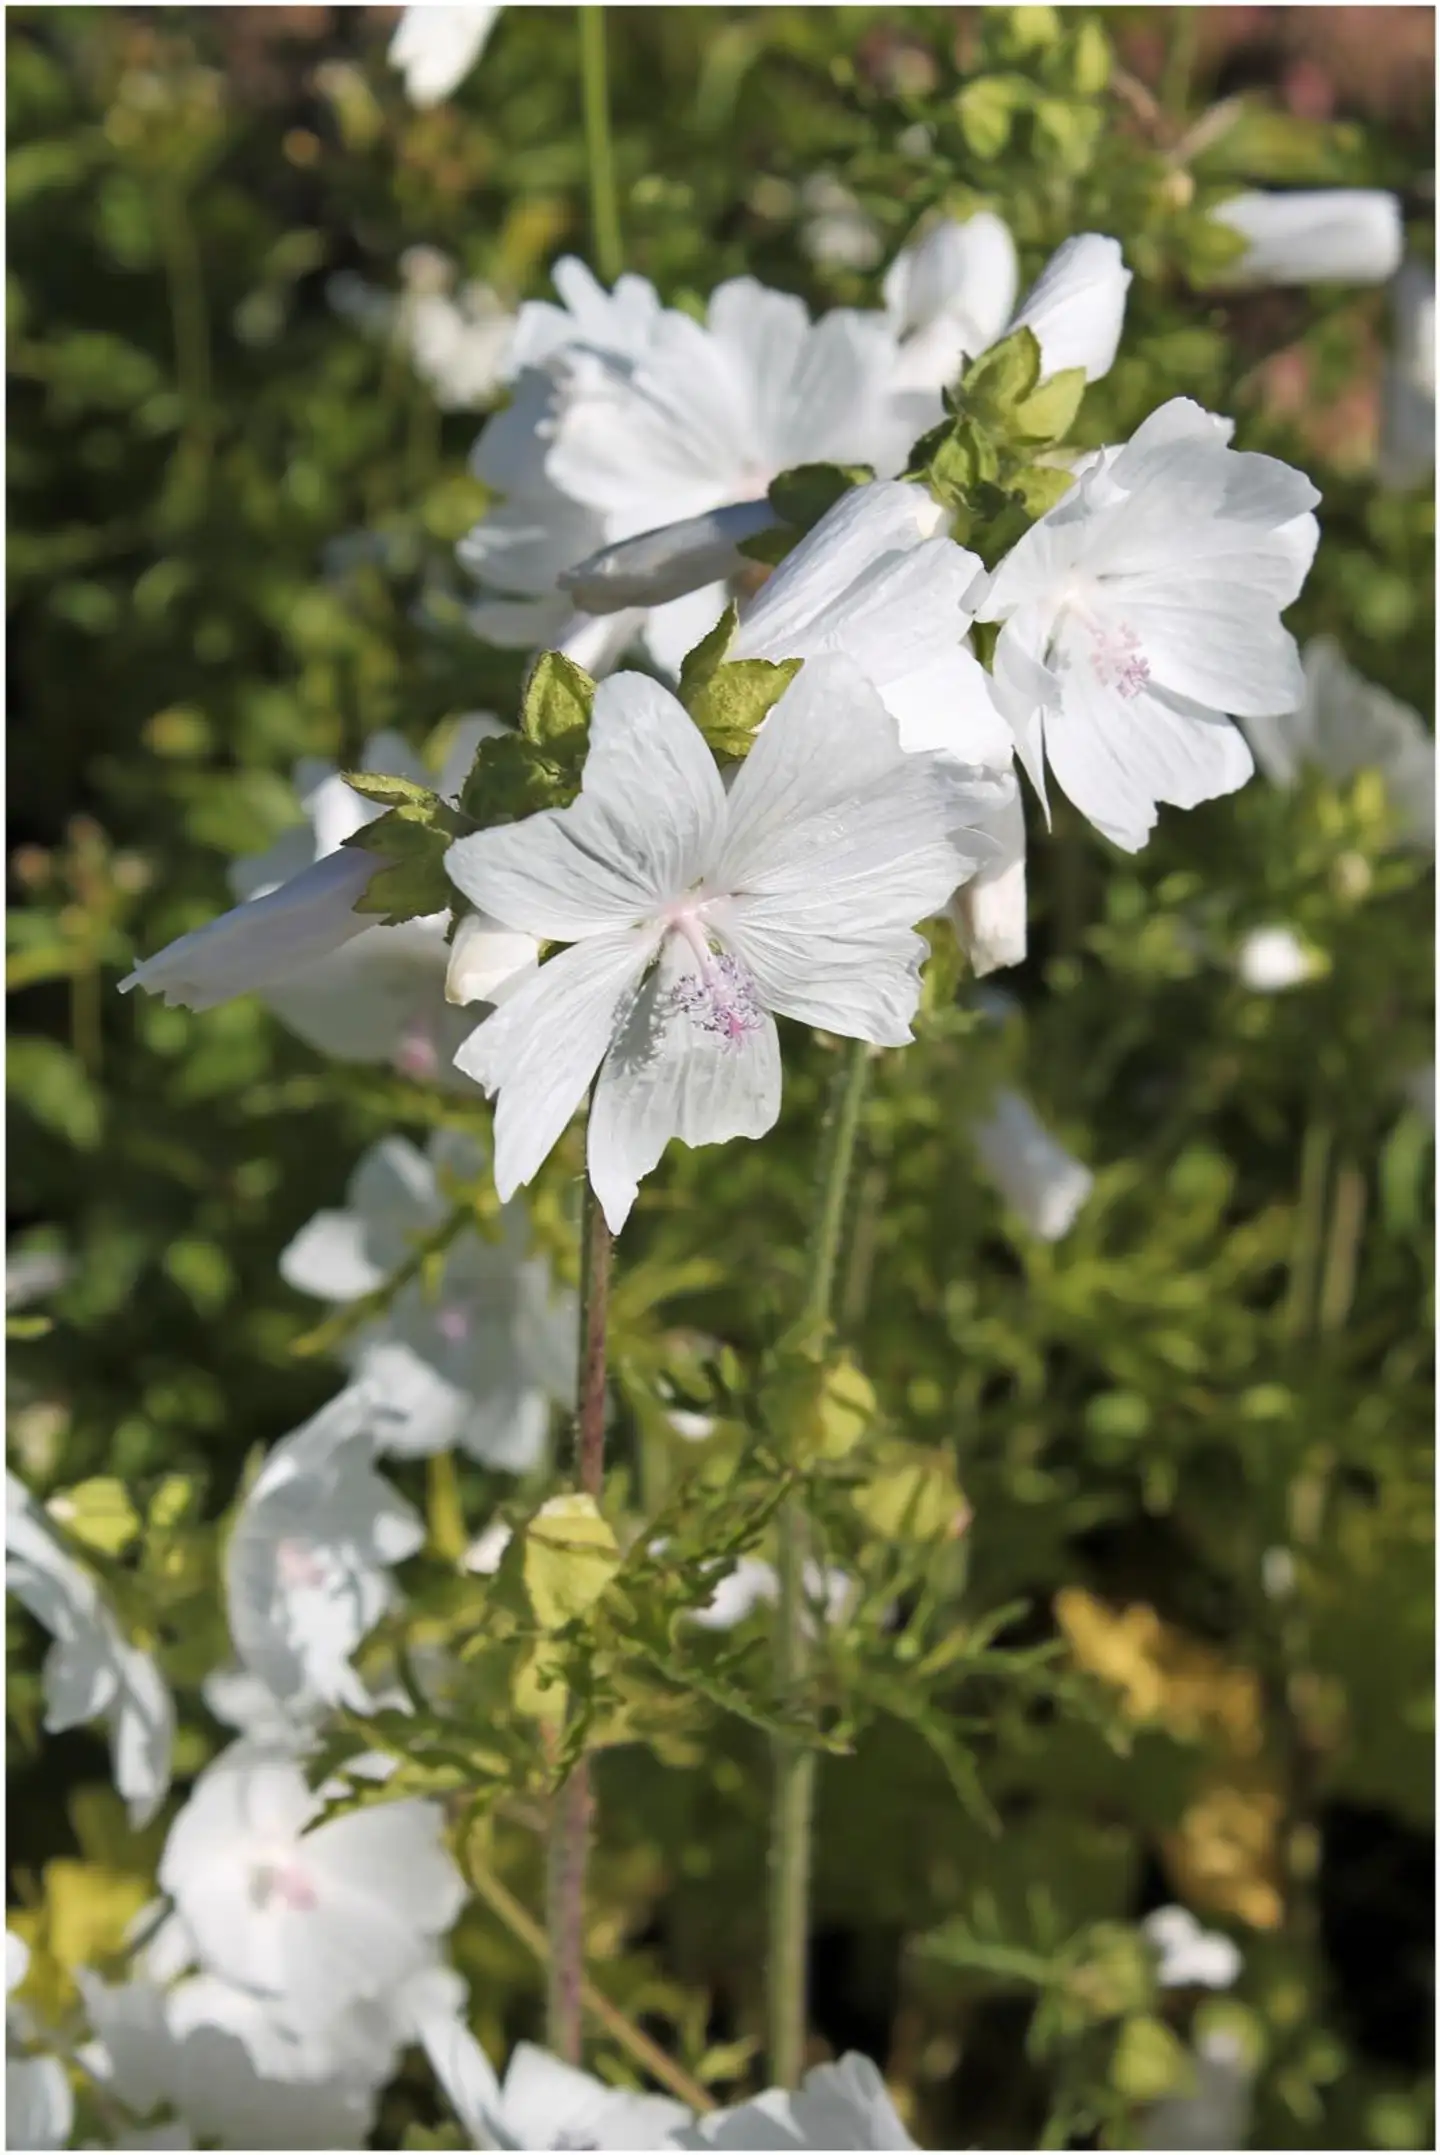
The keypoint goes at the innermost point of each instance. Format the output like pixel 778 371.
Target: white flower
pixel 754 1583
pixel 1274 958
pixel 243 1701
pixel 1031 1170
pixel 1344 724
pixel 543 2102
pixel 838 2106
pixel 877 582
pixel 696 915
pixel 1337 235
pixel 459 345
pixel 235 2074
pixel 1190 1955
pixel 835 230
pixel 314 1918
pixel 380 997
pixel 39 2107
pixel 1215 2112
pixel 475 1362
pixel 307 1567
pixel 1148 603
pixel 91 1669
pixel 1407 422
pixel 435 48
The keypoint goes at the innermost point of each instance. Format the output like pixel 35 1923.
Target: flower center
pixel 416 1056
pixel 282 1879
pixel 719 996
pixel 1116 657
pixel 453 1323
pixel 297 1563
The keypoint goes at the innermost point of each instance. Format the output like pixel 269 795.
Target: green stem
pixel 794 1762
pixel 599 148
pixel 190 328
pixel 570 1827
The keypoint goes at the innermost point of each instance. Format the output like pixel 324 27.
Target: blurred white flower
pixel 877 581
pixel 834 230
pixel 695 914
pixel 307 1567
pixel 39 2107
pixel 1344 724
pixel 1272 959
pixel 312 1918
pixel 435 48
pixel 1407 416
pixel 1033 1172
pixel 485 1551
pixel 837 2106
pixel 90 1669
pixel 29 1274
pixel 473 1358
pixel 458 340
pixel 1148 603
pixel 754 1584
pixel 543 2103
pixel 1335 235
pixel 1189 1955
pixel 1215 2113
pixel 219 2057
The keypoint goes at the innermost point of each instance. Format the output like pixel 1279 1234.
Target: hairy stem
pixel 599 149
pixel 794 1762
pixel 570 1825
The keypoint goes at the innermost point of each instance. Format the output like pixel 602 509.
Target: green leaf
pixel 986 111
pixel 52 1084
pixel 700 666
pixel 555 708
pixel 512 778
pixel 737 697
pixel 1150 2061
pixel 389 792
pixel 807 492
pixel 413 838
pixel 570 1557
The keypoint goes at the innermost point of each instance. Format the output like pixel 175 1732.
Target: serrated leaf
pixel 1048 413
pixel 998 381
pixel 700 666
pixel 737 698
pixel 512 778
pixel 555 707
pixel 389 792
pixel 570 1557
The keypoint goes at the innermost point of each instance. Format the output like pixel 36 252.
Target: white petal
pixel 1221 644
pixel 1033 1173
pixel 645 828
pixel 660 565
pixel 436 47
pixel 142 1735
pixel 1339 235
pixel 466 2076
pixel 989 911
pixel 551 2104
pixel 674 1073
pixel 543 1045
pixel 329 1257
pixel 959 278
pixel 1076 306
pixel 485 958
pixel 265 939
pixel 39 2107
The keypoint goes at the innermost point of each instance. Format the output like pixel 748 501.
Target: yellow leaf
pixel 98 1513
pixel 570 1558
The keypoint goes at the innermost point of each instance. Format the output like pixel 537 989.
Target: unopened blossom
pixel 846 2105
pixel 1407 395
pixel 1274 958
pixel 435 48
pixel 1344 724
pixel 950 294
pixel 475 1356
pixel 1333 235
pixel 1148 605
pixel 308 1562
pixel 1189 1955
pixel 39 2107
pixel 313 1917
pixel 1033 1172
pixel 696 915
pixel 542 2103
pixel 1076 306
pixel 91 1669
pixel 219 2057
pixel 878 582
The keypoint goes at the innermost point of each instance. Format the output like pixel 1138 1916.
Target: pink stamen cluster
pixel 1118 660
pixel 719 996
pixel 283 1881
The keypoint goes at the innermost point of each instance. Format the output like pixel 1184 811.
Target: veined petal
pixel 645 828
pixel 543 1045
pixel 693 1060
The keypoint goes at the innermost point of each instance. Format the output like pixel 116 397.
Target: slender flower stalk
pixel 574 1805
pixel 599 148
pixel 793 1799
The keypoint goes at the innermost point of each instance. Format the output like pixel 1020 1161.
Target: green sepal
pixel 389 792
pixel 512 778
pixel 412 838
pixel 1048 413
pixel 807 492
pixel 1003 377
pixel 728 699
pixel 555 707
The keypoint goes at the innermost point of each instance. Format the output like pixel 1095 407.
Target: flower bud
pixel 666 563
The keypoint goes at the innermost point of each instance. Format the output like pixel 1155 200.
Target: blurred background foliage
pixel 1193 1436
